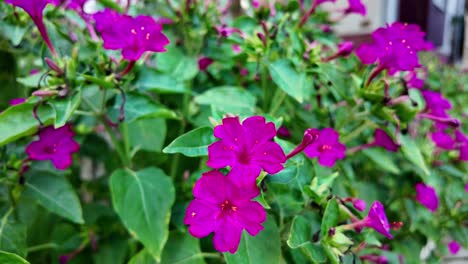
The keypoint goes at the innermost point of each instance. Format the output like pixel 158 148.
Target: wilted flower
pixel 35 8
pixel 326 147
pixel 453 247
pixel 56 145
pixel 355 6
pixel 382 139
pixel 427 196
pixel 204 62
pixel 225 209
pixel 284 132
pixel 133 35
pixel 344 49
pixel 247 148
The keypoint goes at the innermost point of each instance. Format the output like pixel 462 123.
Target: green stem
pixel 41 247
pixel 278 101
pixel 356 132
pixel 118 147
pixel 185 109
pixel 210 255
pixel 126 145
pixel 265 88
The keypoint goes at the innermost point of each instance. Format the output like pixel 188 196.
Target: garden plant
pixel 225 132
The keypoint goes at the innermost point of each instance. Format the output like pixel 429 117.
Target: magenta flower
pixel 377 219
pixel 77 5
pixel 443 140
pixel 224 31
pixel 355 6
pixel 359 204
pixel 382 139
pixel 427 196
pixel 284 132
pixel 225 209
pixel 17 101
pixel 204 62
pixel 344 49
pixel 236 48
pixel 133 36
pixel 326 147
pixel 375 259
pixel 462 145
pixel 56 145
pixel 35 8
pixel 436 104
pixel 453 247
pixel 413 81
pixel 247 148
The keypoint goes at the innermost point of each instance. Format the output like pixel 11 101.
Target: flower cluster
pixel 132 35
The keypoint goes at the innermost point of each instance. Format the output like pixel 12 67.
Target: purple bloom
pixel 453 247
pixel 35 8
pixel 395 47
pixel 436 104
pixel 236 48
pixel 355 6
pixel 247 148
pixel 284 132
pixel 466 187
pixel 462 143
pixel 225 209
pixel 17 101
pixel 204 62
pixel 326 147
pixel 382 139
pixel 377 219
pixel 427 196
pixel 359 204
pixel 225 32
pixel 375 259
pixel 77 5
pixel 133 35
pixel 443 140
pixel 413 81
pixel 318 2
pixel 344 49
pixel 56 145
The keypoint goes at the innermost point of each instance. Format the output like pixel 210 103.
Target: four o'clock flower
pixel 344 49
pixel 225 209
pixel 204 62
pixel 355 6
pixel 453 247
pixel 247 148
pixel 133 35
pixel 56 145
pixel 35 8
pixel 427 196
pixel 327 148
pixel 462 145
pixel 375 219
pixel 17 101
pixel 443 140
pixel 381 139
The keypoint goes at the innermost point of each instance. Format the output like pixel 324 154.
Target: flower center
pixel 243 157
pixel 227 207
pixel 325 147
pixel 51 149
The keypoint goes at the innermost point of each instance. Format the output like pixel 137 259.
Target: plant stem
pixel 118 147
pixel 41 247
pixel 185 102
pixel 266 90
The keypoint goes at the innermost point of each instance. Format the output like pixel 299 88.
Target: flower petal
pixel 250 216
pixel 244 175
pixel 227 236
pixel 270 157
pixel 221 155
pixel 201 217
pixel 211 187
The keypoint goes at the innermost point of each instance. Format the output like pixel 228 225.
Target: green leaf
pixel 301 232
pixel 262 248
pixel 182 248
pixel 143 201
pixel 31 80
pixel 111 252
pixel 330 218
pixel 147 134
pixel 413 153
pixel 18 121
pixel 193 143
pixel 10 258
pixel 99 81
pixel 382 159
pixel 55 194
pixel 150 80
pixel 289 80
pixel 174 62
pixel 229 99
pixel 13 33
pixel 314 252
pixel 143 257
pixel 65 108
pixel 140 106
pixel 12 236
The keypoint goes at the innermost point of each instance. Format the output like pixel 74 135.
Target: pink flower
pixel 133 35
pixel 326 147
pixel 344 49
pixel 453 247
pixel 225 209
pixel 284 132
pixel 236 48
pixel 377 219
pixel 395 47
pixel 413 81
pixel 436 104
pixel 77 5
pixel 462 142
pixel 204 63
pixel 382 139
pixel 443 140
pixel 17 101
pixel 247 148
pixel 56 145
pixel 427 196
pixel 359 204
pixel 35 8
pixel 374 259
pixel 355 6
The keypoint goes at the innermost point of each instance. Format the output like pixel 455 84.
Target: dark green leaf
pixel 14 33
pixel 413 153
pixel 192 144
pixel 382 159
pixel 330 218
pixel 174 62
pixel 139 106
pixel 18 121
pixel 147 134
pixel 150 80
pixel 229 99
pixel 55 194
pixel 182 248
pixel 10 258
pixel 12 236
pixel 111 252
pixel 262 248
pixel 64 109
pixel 143 201
pixel 301 232
pixel 314 253
pixel 289 80
pixel 143 257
